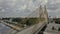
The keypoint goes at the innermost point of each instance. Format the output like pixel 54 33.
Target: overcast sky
pixel 53 7
pixel 16 8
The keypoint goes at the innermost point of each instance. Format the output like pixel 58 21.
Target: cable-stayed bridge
pixel 34 29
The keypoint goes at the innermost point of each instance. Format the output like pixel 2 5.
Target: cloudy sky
pixel 53 7
pixel 18 8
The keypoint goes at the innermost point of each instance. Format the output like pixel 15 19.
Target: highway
pixel 41 26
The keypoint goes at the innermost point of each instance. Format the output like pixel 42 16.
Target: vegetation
pixel 57 20
pixel 32 21
pixel 5 18
pixel 23 21
pixel 59 29
pixel 53 28
pixel 16 20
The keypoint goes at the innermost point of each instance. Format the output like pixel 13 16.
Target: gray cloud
pixel 18 8
pixel 53 7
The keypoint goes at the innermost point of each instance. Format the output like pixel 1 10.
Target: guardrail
pixel 40 28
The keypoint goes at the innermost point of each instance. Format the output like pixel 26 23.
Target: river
pixel 4 29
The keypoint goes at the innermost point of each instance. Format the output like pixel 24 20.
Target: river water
pixel 4 29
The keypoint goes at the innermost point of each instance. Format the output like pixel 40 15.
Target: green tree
pixel 16 20
pixel 59 29
pixel 32 21
pixel 53 28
